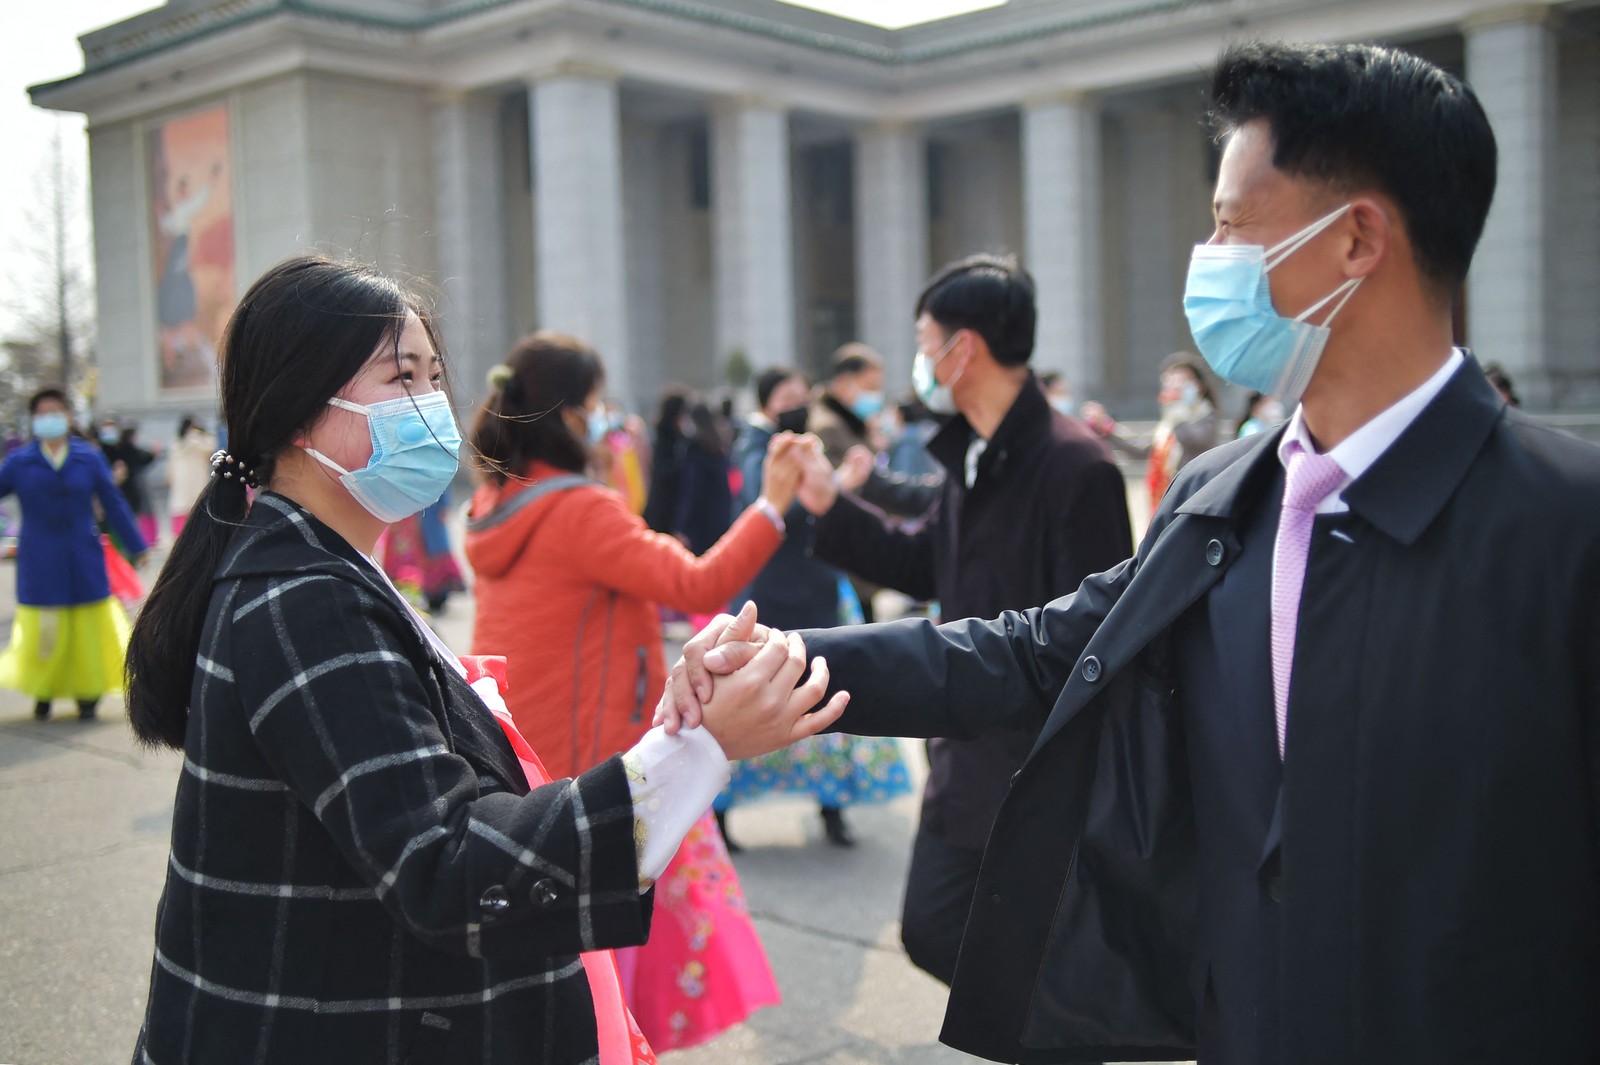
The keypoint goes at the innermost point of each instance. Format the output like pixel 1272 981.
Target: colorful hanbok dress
pixel 70 635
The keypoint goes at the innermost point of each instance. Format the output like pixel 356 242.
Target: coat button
pixel 1275 888
pixel 1091 669
pixel 1214 553
pixel 495 901
pixel 543 893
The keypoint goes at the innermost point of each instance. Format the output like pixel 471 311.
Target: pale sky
pixel 39 42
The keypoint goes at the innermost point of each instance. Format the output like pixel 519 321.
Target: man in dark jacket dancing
pixel 1031 504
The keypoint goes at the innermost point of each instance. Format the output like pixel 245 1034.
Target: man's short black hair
pixel 769 381
pixel 51 392
pixel 990 295
pixel 1359 116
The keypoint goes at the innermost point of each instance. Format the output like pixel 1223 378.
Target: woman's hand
pixel 690 683
pixel 1097 418
pixel 757 709
pixel 781 471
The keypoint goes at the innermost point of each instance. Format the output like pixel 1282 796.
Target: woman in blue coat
pixel 70 635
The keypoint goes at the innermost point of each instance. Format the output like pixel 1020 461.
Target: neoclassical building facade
pixel 682 180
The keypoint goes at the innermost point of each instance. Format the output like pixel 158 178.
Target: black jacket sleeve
pixel 965 678
pixel 860 539
pixel 901 494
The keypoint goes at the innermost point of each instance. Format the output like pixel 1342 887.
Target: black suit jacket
pixel 1434 846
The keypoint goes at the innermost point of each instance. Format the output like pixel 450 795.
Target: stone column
pixel 1156 242
pixel 1061 226
pixel 1511 64
pixel 578 251
pixel 751 233
pixel 891 234
pixel 474 316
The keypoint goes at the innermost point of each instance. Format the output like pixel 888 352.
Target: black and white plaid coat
pixel 358 872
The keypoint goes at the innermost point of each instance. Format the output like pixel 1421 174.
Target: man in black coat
pixel 1374 840
pixel 1031 504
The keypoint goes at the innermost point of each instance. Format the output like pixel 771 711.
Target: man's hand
pixel 690 684
pixel 818 492
pixel 855 468
pixel 758 709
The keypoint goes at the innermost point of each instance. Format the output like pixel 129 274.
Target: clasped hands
pixel 739 679
pixel 797 469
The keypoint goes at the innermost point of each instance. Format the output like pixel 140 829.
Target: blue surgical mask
pixel 51 425
pixel 867 404
pixel 1229 307
pixel 415 443
pixel 936 397
pixel 599 425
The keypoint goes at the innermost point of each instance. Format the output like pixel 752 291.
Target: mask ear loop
pixel 326 461
pixel 1285 248
pixel 948 344
pixel 342 404
pixel 1346 290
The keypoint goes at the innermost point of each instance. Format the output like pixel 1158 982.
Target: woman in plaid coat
pixel 359 871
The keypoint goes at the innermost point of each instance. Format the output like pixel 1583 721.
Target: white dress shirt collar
pixel 1358 451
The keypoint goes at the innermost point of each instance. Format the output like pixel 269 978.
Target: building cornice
pixel 815 62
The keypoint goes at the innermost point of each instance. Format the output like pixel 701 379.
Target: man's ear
pixel 1369 232
pixel 970 346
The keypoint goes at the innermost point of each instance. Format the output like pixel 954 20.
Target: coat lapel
pixel 1192 543
pixel 1412 481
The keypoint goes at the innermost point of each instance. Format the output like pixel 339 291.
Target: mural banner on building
pixel 191 226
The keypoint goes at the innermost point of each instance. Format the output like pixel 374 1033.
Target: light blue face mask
pixel 51 425
pixel 867 404
pixel 925 383
pixel 1246 341
pixel 415 443
pixel 599 425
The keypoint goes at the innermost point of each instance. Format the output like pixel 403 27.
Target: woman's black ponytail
pixel 301 332
pixel 166 638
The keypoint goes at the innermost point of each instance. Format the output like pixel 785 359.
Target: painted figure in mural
pixel 185 350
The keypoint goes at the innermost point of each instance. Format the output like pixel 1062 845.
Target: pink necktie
pixel 1309 479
